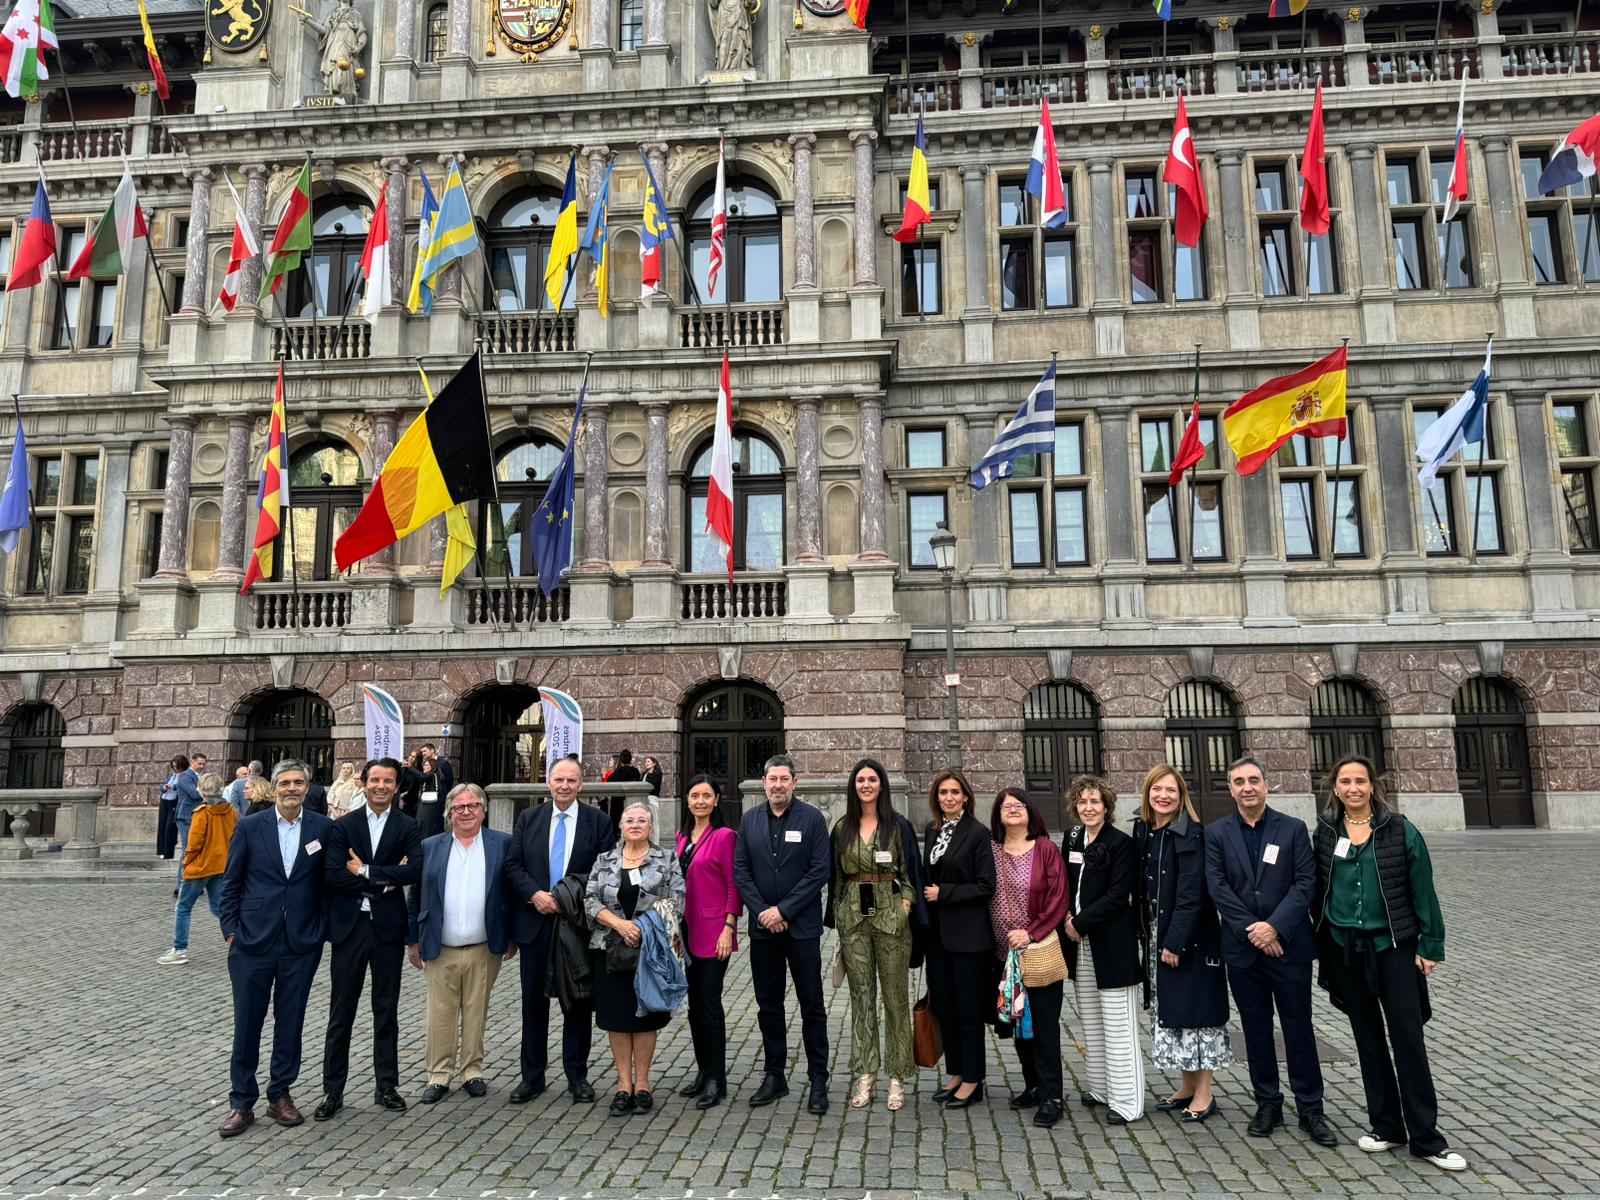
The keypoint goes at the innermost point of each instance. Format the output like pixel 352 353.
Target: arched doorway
pixel 1060 740
pixel 35 759
pixel 729 732
pixel 1345 719
pixel 1492 753
pixel 502 736
pixel 1202 734
pixel 293 724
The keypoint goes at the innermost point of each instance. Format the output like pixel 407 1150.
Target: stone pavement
pixel 118 1078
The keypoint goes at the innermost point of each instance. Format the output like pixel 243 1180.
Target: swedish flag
pixel 564 241
pixel 596 242
pixel 455 233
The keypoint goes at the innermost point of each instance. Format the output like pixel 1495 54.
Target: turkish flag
pixel 1183 172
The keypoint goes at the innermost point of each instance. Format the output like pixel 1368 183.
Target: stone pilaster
pixel 255 211
pixel 194 263
pixel 874 518
pixel 596 476
pixel 864 140
pixel 1373 248
pixel 1107 305
pixel 655 485
pixel 395 214
pixel 405 30
pixel 808 478
pixel 1243 305
pixel 805 224
pixel 235 480
pixel 655 22
pixel 383 435
pixel 173 561
pixel 461 27
pixel 975 235
pixel 600 26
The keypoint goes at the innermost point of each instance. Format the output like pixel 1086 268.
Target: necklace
pixel 1349 820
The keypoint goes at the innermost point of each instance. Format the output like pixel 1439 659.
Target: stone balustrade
pixel 18 803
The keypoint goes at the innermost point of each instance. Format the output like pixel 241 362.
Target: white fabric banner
pixel 386 726
pixel 563 726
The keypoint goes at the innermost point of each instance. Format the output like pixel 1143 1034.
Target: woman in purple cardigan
pixel 710 916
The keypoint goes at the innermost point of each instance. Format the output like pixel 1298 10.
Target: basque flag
pixel 1044 173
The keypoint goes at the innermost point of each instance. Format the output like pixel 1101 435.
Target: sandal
pixel 862 1096
pixel 897 1095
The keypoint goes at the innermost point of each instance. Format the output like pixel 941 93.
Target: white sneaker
pixel 173 958
pixel 1448 1161
pixel 1377 1145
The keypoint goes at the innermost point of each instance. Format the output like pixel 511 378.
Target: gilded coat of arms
pixel 237 25
pixel 530 27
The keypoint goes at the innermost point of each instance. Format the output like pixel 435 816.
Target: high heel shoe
pixel 966 1101
pixel 862 1096
pixel 944 1093
pixel 1190 1117
pixel 897 1095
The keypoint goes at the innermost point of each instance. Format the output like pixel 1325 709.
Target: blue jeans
pixel 187 895
pixel 182 847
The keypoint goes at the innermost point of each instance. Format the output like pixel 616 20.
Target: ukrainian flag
pixel 596 242
pixel 455 233
pixel 564 241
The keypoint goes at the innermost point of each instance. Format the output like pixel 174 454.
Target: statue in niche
pixel 342 38
pixel 733 27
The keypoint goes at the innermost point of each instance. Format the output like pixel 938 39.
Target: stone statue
pixel 342 38
pixel 732 24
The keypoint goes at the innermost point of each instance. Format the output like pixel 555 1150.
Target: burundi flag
pixel 105 251
pixel 1311 402
pixel 564 240
pixel 272 498
pixel 293 237
pixel 918 204
pixel 596 243
pixel 29 31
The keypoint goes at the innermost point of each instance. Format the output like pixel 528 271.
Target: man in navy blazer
pixel 551 841
pixel 274 920
pixel 1262 874
pixel 781 864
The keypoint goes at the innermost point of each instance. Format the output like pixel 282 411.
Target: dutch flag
pixel 1044 173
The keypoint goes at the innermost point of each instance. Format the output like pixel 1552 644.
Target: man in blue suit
pixel 273 918
pixel 781 863
pixel 1261 874
pixel 550 842
pixel 187 787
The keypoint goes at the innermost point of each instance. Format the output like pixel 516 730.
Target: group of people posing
pixel 618 929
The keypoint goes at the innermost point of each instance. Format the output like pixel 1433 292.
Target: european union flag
pixel 551 534
pixel 596 241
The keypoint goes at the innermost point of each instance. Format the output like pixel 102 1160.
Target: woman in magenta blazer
pixel 710 915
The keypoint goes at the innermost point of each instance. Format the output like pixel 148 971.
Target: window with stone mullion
pixel 1309 470
pixel 1037 266
pixel 1288 261
pixel 1063 520
pixel 1159 270
pixel 1187 523
pixel 1563 227
pixel 65 495
pixel 1575 442
pixel 1445 511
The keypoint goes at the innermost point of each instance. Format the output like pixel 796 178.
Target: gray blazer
pixel 659 879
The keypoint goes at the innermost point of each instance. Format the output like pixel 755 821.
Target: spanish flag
pixel 917 202
pixel 1311 401
pixel 441 461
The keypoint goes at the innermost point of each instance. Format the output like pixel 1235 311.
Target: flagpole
pixel 1047 497
pixel 1192 466
pixel 1483 442
pixel 1338 468
pixel 350 292
pixel 1304 57
pixel 288 517
pixel 311 279
pixel 727 292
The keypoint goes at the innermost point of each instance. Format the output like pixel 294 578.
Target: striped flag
pixel 655 228
pixel 29 31
pixel 1456 428
pixel 245 248
pixel 1031 431
pixel 918 203
pixel 272 497
pixel 858 12
pixel 38 246
pixel 105 250
pixel 293 237
pixel 719 226
pixel 420 298
pixel 1044 172
pixel 719 495
pixel 163 88
pixel 375 257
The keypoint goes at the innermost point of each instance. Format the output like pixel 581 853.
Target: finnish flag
pixel 1461 424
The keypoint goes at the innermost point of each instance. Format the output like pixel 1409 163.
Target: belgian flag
pixel 442 461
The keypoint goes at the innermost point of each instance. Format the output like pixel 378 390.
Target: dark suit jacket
pixel 965 877
pixel 188 789
pixel 794 878
pixel 259 902
pixel 528 863
pixel 1100 888
pixel 426 902
pixel 317 798
pixel 386 881
pixel 1246 890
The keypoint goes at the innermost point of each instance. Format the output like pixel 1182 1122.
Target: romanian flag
pixel 917 202
pixel 272 499
pixel 163 89
pixel 293 237
pixel 1311 401
pixel 858 12
pixel 443 460
pixel 564 241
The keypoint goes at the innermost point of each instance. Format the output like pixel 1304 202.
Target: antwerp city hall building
pixel 1102 620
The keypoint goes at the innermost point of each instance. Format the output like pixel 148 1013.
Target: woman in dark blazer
pixel 1184 974
pixel 959 875
pixel 1101 866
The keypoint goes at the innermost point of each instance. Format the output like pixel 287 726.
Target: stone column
pixel 975 236
pixel 805 223
pixel 173 562
pixel 596 475
pixel 395 213
pixel 405 29
pixel 383 434
pixel 438 543
pixel 1107 306
pixel 600 26
pixel 235 494
pixel 194 263
pixel 866 236
pixel 655 485
pixel 808 478
pixel 255 211
pixel 874 521
pixel 461 27
pixel 655 22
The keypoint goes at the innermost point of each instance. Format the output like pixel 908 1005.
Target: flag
pixel 858 12
pixel 1164 10
pixel 551 535
pixel 15 503
pixel 293 237
pixel 1044 172
pixel 441 461
pixel 719 225
pixel 1282 8
pixel 38 246
pixel 163 89
pixel 564 239
pixel 657 228
pixel 105 251
pixel 375 257
pixel 1459 425
pixel 386 725
pixel 29 31
pixel 272 497
pixel 1183 172
pixel 421 294
pixel 596 242
pixel 1573 159
pixel 563 726
pixel 1314 216
pixel 1190 449
pixel 1456 190
pixel 245 247
pixel 1031 431
pixel 719 492
pixel 460 546
pixel 454 233
pixel 1310 402
pixel 918 204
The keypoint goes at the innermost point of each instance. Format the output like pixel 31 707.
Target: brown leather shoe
pixel 283 1111
pixel 239 1119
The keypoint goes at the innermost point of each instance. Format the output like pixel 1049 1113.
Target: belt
pixel 872 878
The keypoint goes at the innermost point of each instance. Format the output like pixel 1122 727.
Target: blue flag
pixel 1031 431
pixel 14 500
pixel 552 520
pixel 421 295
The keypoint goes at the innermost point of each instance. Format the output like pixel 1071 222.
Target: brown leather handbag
pixel 927 1044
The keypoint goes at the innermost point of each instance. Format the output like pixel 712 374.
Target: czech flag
pixel 1456 191
pixel 38 244
pixel 272 498
pixel 1315 217
pixel 1573 159
pixel 1044 173
pixel 1311 401
pixel 917 201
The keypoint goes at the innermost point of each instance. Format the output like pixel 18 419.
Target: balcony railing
pixel 10 144
pixel 1021 87
pixel 518 605
pixel 748 598
pixel 278 607
pixel 736 325
pixel 1422 62
pixel 1289 70
pixel 326 338
pixel 1146 79
pixel 87 139
pixel 939 92
pixel 1528 56
pixel 528 332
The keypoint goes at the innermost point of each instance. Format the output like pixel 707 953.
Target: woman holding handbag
pixel 1030 900
pixel 1102 864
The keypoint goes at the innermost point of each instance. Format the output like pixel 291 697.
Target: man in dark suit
pixel 274 920
pixel 374 853
pixel 551 841
pixel 1261 874
pixel 781 863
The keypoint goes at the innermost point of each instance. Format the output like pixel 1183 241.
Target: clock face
pixel 824 8
pixel 532 26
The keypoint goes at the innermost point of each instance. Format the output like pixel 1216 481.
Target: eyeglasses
pixel 466 808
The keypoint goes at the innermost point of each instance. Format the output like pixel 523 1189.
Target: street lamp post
pixel 943 543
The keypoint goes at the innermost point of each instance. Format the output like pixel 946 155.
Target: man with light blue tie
pixel 551 842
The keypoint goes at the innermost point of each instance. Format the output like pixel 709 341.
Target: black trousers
pixel 577 1029
pixel 281 979
pixel 167 828
pixel 1040 1055
pixel 803 956
pixel 708 1025
pixel 350 961
pixel 1407 1110
pixel 1256 989
pixel 962 995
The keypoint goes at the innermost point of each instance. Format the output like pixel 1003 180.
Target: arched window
pixel 325 480
pixel 758 517
pixel 1492 753
pixel 1060 740
pixel 35 760
pixel 752 269
pixel 338 232
pixel 1344 720
pixel 519 247
pixel 294 724
pixel 1202 735
pixel 729 732
pixel 502 736
pixel 438 33
pixel 522 470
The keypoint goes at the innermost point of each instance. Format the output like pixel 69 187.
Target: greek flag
pixel 1031 431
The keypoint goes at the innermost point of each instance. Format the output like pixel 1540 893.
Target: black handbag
pixel 621 958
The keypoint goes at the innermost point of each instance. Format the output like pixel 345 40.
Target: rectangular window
pixel 1588 250
pixel 1410 268
pixel 1038 266
pixel 1160 524
pixel 1483 494
pixel 933 194
pixel 1064 486
pixel 1402 183
pixel 1016 274
pixel 1578 464
pixel 80 549
pixel 41 555
pixel 925 511
pixel 630 28
pixel 1299 518
pixel 1060 284
pixel 1183 523
pixel 1206 500
pixel 924 449
pixel 1544 242
pixel 1189 269
pixel 1277 268
pixel 1307 468
pixel 1027 548
pixel 920 280
pixel 85 480
pixel 47 492
pixel 1324 266
pixel 1561 243
pixel 1455 254
pixel 1155 445
pixel 150 546
pixel 1271 190
pixel 1144 267
pixel 1456 491
pixel 1072 529
pixel 103 314
pixel 1069 450
pixel 1013 204
pixel 158 469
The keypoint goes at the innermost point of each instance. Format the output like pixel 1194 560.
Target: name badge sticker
pixel 313 846
pixel 883 856
pixel 791 835
pixel 633 876
pixel 1075 857
pixel 1270 854
pixel 1341 848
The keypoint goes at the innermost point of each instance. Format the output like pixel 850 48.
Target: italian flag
pixel 105 253
pixel 293 237
pixel 28 32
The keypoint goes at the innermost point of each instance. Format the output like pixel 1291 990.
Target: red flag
pixel 858 12
pixel 719 496
pixel 1190 450
pixel 1183 172
pixel 1315 218
pixel 38 245
pixel 719 225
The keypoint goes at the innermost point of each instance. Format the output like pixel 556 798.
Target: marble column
pixel 255 211
pixel 596 157
pixel 383 434
pixel 655 485
pixel 874 521
pixel 174 559
pixel 600 25
pixel 655 22
pixel 235 494
pixel 656 154
pixel 975 235
pixel 405 29
pixel 808 478
pixel 438 543
pixel 866 235
pixel 194 263
pixel 461 27
pixel 395 214
pixel 596 498
pixel 450 278
pixel 805 222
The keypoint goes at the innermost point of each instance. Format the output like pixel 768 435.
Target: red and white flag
pixel 1182 170
pixel 719 496
pixel 1456 190
pixel 375 257
pixel 245 247
pixel 719 226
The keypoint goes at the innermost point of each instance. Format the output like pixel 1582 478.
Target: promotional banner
pixel 386 727
pixel 563 726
